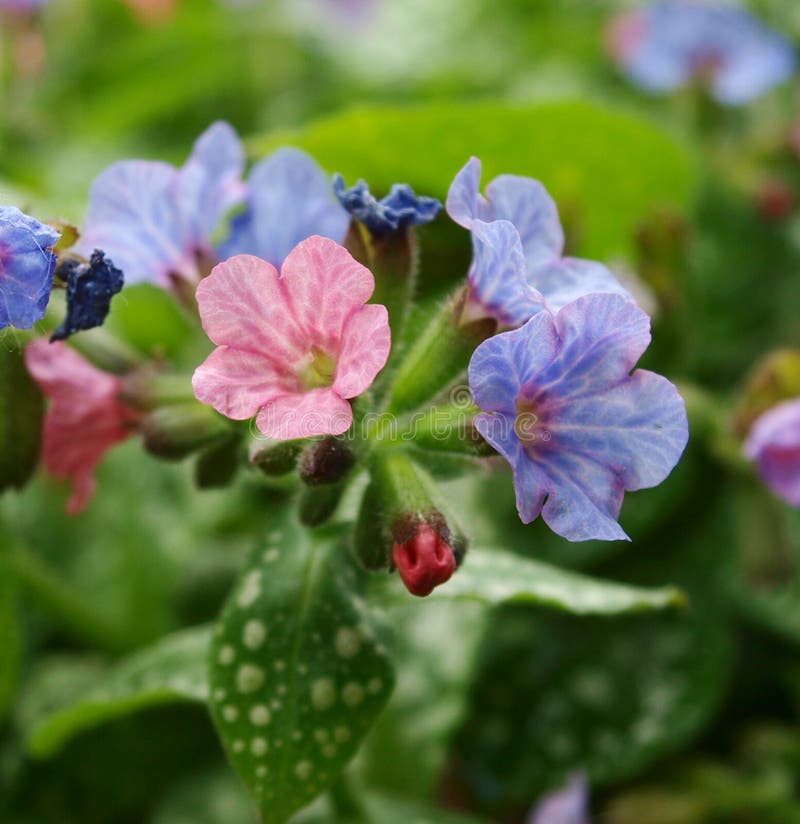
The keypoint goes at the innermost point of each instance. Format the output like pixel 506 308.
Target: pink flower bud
pixel 424 561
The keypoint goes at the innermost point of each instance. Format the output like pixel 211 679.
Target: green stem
pixel 63 603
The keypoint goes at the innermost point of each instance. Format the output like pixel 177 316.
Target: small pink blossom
pixel 774 445
pixel 291 347
pixel 84 420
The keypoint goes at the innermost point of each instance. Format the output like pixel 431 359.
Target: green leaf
pixel 426 145
pixel 171 670
pixel 298 668
pixel 21 412
pixel 495 576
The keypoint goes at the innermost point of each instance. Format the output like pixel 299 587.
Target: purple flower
pixel 90 287
pixel 774 444
pixel 559 403
pixel 289 200
pixel 513 273
pixel 399 209
pixel 26 268
pixel 664 45
pixel 155 221
pixel 567 805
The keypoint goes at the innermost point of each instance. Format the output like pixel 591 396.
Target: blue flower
pixel 664 45
pixel 90 287
pixel 568 805
pixel 399 209
pixel 26 268
pixel 289 199
pixel 516 273
pixel 559 403
pixel 157 222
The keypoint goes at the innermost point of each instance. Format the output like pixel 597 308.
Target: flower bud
pixel 275 457
pixel 173 432
pixel 424 561
pixel 325 461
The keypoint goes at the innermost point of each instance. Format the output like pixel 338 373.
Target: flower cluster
pixel 665 44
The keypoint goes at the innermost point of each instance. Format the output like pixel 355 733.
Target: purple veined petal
pixel 133 217
pixel 602 337
pixel 463 197
pixel 565 280
pixel 210 184
pixel 290 199
pixel 526 203
pixel 567 805
pixel 637 428
pixel 501 365
pixel 497 276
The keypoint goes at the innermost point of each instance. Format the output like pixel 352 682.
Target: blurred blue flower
pixel 664 45
pixel 289 199
pixel 559 403
pixel 399 209
pixel 514 272
pixel 568 805
pixel 26 268
pixel 90 287
pixel 157 222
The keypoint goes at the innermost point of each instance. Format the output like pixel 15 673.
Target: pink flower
pixel 85 418
pixel 291 347
pixel 774 444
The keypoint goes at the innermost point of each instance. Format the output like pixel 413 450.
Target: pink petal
pixel 237 382
pixel 366 343
pixel 305 415
pixel 244 305
pixel 324 286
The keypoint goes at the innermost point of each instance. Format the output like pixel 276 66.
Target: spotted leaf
pixel 298 669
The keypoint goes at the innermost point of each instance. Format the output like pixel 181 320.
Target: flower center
pixel 319 371
pixel 528 425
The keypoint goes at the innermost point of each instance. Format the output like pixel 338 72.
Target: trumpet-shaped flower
pixel 26 268
pixel 291 347
pixel 90 287
pixel 156 222
pixel 515 273
pixel 664 45
pixel 289 199
pixel 774 444
pixel 561 405
pixel 399 209
pixel 85 418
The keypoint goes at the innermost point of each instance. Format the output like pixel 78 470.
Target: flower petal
pixel 290 199
pixel 244 305
pixel 565 280
pixel 463 196
pixel 526 203
pixel 498 274
pixel 305 415
pixel 367 341
pixel 237 383
pixel 324 285
pixel 501 365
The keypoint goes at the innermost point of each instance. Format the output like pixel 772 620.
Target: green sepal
pixel 173 432
pixel 372 539
pixel 218 464
pixel 275 458
pixel 318 503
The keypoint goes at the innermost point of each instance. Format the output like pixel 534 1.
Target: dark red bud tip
pixel 775 200
pixel 424 562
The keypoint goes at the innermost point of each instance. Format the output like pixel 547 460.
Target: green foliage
pixel 298 668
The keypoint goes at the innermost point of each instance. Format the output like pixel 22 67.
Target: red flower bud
pixel 424 561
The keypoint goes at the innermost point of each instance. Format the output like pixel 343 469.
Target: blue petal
pixel 568 805
pixel 463 197
pixel 290 200
pixel 565 280
pixel 526 203
pixel 498 274
pixel 26 268
pixel 503 364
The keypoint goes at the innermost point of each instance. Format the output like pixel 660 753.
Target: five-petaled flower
pixel 518 265
pixel 559 403
pixel 156 222
pixel 399 209
pixel 27 264
pixel 289 199
pixel 774 444
pixel 666 44
pixel 294 346
pixel 85 418
pixel 90 287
